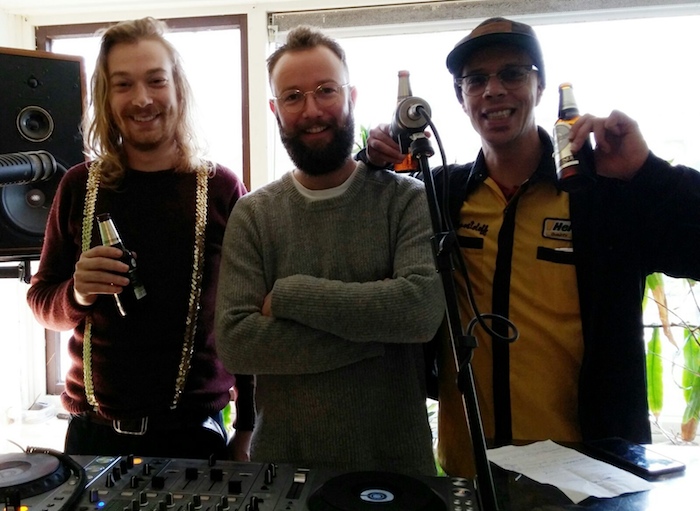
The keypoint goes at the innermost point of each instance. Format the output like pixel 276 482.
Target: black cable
pixel 457 254
pixel 74 467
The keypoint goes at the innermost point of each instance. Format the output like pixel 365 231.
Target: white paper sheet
pixel 577 475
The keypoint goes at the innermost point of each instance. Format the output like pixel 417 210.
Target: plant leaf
pixel 691 365
pixel 659 293
pixel 689 424
pixel 655 386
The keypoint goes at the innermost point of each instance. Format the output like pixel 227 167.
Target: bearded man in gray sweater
pixel 328 286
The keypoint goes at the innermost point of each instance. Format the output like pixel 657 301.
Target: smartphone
pixel 636 458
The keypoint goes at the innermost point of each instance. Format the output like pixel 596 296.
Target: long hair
pixel 102 136
pixel 305 37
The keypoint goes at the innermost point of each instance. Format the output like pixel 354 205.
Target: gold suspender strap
pixel 93 184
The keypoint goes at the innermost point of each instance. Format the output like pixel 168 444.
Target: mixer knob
pixel 129 461
pixel 143 498
pixel 158 482
pixel 134 482
pixel 94 496
pixel 109 482
pixel 197 501
pixel 147 469
pixel 235 487
pixel 224 502
pixel 117 473
pixel 169 500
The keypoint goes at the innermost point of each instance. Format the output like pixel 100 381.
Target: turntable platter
pixel 374 491
pixel 30 474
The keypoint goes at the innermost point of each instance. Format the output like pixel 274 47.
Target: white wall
pixel 15 32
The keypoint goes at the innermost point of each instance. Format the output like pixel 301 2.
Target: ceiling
pixel 48 7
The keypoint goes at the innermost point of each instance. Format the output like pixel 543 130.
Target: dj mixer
pixel 54 482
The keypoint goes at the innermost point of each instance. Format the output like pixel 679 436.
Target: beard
pixel 317 161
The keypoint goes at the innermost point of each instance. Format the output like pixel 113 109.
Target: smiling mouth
pixel 316 129
pixel 144 118
pixel 499 114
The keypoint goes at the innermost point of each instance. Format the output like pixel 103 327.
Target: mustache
pixel 136 111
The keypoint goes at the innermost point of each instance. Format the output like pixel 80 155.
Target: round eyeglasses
pixel 325 95
pixel 511 77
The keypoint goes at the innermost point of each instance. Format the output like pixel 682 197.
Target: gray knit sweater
pixel 340 378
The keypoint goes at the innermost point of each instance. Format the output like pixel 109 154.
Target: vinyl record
pixel 375 491
pixel 30 474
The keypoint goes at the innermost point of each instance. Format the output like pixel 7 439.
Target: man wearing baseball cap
pixel 567 269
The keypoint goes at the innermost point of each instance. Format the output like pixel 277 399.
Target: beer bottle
pixel 408 164
pixel 135 291
pixel 575 172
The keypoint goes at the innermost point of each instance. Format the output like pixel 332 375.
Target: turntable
pixel 55 482
pixel 29 475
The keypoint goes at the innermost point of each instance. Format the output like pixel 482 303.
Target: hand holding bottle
pixel 382 148
pixel 620 148
pixel 98 272
pixel 128 298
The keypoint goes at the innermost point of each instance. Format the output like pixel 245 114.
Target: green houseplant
pixel 678 311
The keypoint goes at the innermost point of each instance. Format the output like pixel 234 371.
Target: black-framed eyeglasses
pixel 511 77
pixel 327 94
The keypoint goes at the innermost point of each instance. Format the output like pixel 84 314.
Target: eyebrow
pixel 149 72
pixel 482 71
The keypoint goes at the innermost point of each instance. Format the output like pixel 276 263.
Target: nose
pixel 311 106
pixel 494 86
pixel 141 97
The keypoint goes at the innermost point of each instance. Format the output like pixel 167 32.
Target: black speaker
pixel 43 95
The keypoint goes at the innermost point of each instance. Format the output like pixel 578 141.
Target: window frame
pixel 45 35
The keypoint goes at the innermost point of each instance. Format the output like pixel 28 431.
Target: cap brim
pixel 458 56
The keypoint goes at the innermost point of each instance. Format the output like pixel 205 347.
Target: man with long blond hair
pixel 146 382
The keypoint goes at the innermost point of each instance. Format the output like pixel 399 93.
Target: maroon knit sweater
pixel 135 358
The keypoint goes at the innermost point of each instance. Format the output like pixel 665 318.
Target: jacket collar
pixel 545 171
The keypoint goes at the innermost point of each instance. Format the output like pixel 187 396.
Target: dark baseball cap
pixel 496 31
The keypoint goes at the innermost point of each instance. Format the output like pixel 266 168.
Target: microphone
pixel 27 167
pixel 409 120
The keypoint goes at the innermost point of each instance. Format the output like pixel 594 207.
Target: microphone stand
pixel 23 271
pixel 444 241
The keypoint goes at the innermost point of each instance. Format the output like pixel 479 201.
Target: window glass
pixel 642 67
pixel 215 86
pixel 217 96
pixel 614 64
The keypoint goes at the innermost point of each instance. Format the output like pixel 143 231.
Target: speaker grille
pixel 42 108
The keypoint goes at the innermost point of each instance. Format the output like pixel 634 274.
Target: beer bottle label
pixel 563 155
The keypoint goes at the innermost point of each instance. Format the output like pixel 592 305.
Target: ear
pixel 353 96
pixel 273 106
pixel 540 91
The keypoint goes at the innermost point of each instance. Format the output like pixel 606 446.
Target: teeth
pixel 501 114
pixel 316 129
pixel 144 119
